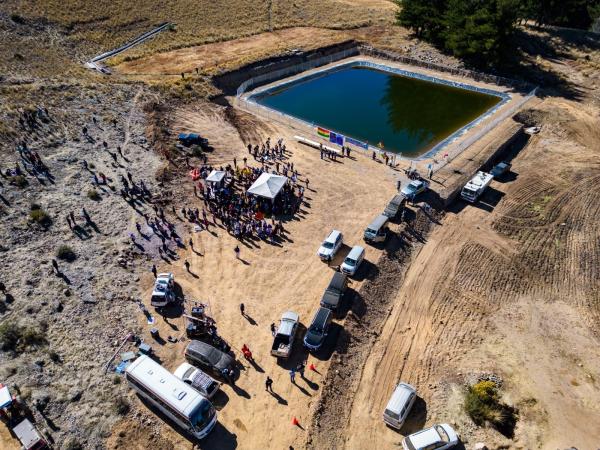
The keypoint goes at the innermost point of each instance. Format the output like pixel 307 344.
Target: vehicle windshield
pixel 203 414
pixel 468 192
pixel 370 231
pixel 411 188
pixel 313 336
pixel 328 245
pixel 392 414
pixel 443 435
pixel 349 262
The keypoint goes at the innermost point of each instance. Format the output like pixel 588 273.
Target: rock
pixel 67 292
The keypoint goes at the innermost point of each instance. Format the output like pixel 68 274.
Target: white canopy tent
pixel 216 176
pixel 267 185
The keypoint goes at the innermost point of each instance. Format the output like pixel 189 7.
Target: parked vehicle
pixel 330 245
pixel 198 379
pixel 437 437
pixel 332 297
pixel 164 290
pixel 476 186
pixel 399 406
pixel 414 188
pixel 187 407
pixel 394 207
pixel 286 334
pixel 353 260
pixel 318 329
pixel 206 356
pixel 29 437
pixel 189 139
pixel 377 230
pixel 500 169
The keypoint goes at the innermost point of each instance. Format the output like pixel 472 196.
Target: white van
pixel 377 230
pixel 353 260
pixel 399 406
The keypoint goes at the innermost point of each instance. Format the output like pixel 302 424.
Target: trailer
pixel 476 186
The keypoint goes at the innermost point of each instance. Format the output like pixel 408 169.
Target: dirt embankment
pixel 370 308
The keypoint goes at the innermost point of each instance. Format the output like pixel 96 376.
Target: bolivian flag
pixel 323 132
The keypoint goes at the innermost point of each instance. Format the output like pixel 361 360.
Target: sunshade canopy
pixel 267 185
pixel 216 176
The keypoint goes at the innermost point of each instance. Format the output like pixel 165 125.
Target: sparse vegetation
pixel 66 253
pixel 39 216
pixel 19 180
pixel 483 405
pixel 93 195
pixel 121 406
pixel 16 338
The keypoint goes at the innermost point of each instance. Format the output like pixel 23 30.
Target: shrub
pixel 72 444
pixel 16 338
pixel 482 404
pixel 18 180
pixel 54 357
pixel 66 253
pixel 93 195
pixel 121 406
pixel 39 216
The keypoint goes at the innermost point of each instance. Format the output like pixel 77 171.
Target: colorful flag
pixel 323 132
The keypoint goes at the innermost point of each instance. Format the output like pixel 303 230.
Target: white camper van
pixel 476 186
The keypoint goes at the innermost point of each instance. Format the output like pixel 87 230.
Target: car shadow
pixel 416 419
pixel 219 438
pixel 220 400
pixel 366 271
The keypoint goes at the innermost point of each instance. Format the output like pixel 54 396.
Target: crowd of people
pixel 245 215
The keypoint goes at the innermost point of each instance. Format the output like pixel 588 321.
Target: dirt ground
pixel 501 289
pixel 507 287
pixel 270 280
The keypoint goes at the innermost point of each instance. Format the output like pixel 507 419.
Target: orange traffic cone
pixel 312 367
pixel 295 422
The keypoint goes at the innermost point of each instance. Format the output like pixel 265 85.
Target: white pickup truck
pixel 286 333
pixel 476 186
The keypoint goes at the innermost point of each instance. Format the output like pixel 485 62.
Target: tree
pixel 480 30
pixel 424 17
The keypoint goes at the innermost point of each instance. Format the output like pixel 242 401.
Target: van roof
pixel 400 397
pixel 378 222
pixel 333 236
pixel 356 251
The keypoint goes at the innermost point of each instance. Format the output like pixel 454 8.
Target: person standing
pixel 273 329
pixel 237 252
pixel 154 271
pixel 293 376
pixel 300 369
pixel 243 309
pixel 186 263
pixel 269 384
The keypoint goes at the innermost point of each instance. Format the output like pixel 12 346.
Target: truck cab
pixel 286 333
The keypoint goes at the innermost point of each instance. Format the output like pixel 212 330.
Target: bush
pixel 66 253
pixel 121 406
pixel 93 195
pixel 16 338
pixel 18 180
pixel 39 216
pixel 54 357
pixel 482 404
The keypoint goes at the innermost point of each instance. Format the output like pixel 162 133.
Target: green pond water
pixel 407 115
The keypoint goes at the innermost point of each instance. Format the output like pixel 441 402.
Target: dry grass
pixel 102 24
